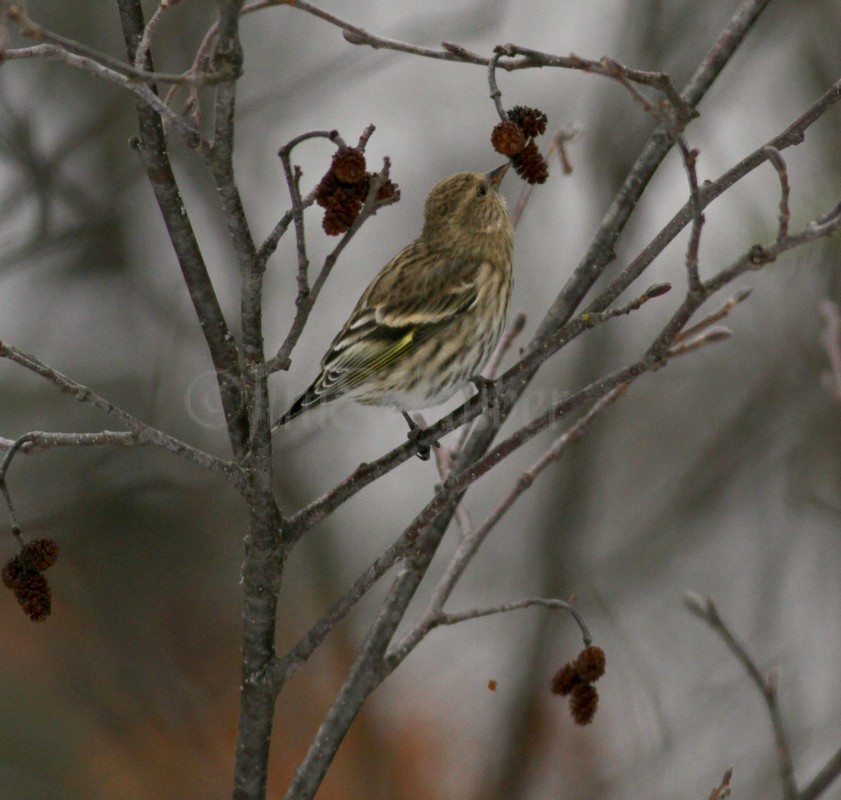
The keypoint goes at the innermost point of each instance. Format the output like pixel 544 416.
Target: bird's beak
pixel 495 176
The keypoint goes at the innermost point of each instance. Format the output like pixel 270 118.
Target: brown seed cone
pixel 326 188
pixel 530 164
pixel 508 138
pixel 40 554
pixel 532 121
pixel 590 663
pixel 33 595
pixel 564 680
pixel 341 211
pixel 14 571
pixel 348 165
pixel 333 224
pixel 583 703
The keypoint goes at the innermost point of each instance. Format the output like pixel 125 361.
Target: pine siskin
pixel 431 318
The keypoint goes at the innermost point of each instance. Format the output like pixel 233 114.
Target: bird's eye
pixel 481 190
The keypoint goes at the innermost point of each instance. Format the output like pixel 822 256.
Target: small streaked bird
pixel 431 318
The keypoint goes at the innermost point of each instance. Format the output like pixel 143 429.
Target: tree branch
pixel 155 158
pixel 143 434
pixel 472 540
pixel 705 609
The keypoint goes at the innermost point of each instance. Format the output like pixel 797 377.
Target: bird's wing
pixel 399 310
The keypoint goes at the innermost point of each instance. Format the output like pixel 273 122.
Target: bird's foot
pixel 414 435
pixel 486 389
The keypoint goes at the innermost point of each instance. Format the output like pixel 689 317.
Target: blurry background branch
pixel 768 686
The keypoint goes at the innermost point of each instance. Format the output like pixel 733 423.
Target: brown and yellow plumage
pixel 430 319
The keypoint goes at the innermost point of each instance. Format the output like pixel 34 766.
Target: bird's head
pixel 467 204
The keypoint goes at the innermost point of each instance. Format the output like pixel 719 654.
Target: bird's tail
pixel 309 398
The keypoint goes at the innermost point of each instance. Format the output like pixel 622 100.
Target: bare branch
pixel 600 252
pixel 154 155
pixel 471 541
pixel 821 782
pixel 715 316
pixel 88 55
pixel 356 35
pixel 550 603
pixel 705 609
pixel 779 164
pixel 689 158
pixel 54 52
pixel 496 94
pixel 143 433
pixel 595 318
pixel 792 135
pixel 521 58
pixel 36 441
pixel 145 42
pixel 303 307
pixel 711 336
pixel 516 377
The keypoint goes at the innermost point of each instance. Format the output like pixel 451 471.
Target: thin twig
pixel 221 343
pixel 519 58
pixel 145 42
pixel 712 335
pixel 673 114
pixel 705 609
pixel 470 543
pixel 496 94
pixel 35 441
pixel 145 434
pixel 827 775
pixel 500 389
pixel 779 164
pixel 54 52
pixel 284 668
pixel 656 356
pixel 722 791
pixel 792 135
pixel 716 316
pixel 690 158
pixel 293 185
pixel 595 318
pixel 504 608
pixel 88 55
pixel 271 242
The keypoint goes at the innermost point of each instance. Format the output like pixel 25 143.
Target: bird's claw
pixel 486 389
pixel 414 435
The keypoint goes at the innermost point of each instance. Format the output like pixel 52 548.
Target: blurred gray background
pixel 719 474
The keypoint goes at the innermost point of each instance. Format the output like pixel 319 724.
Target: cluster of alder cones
pixel 343 190
pixel 514 138
pixel 22 574
pixel 575 680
